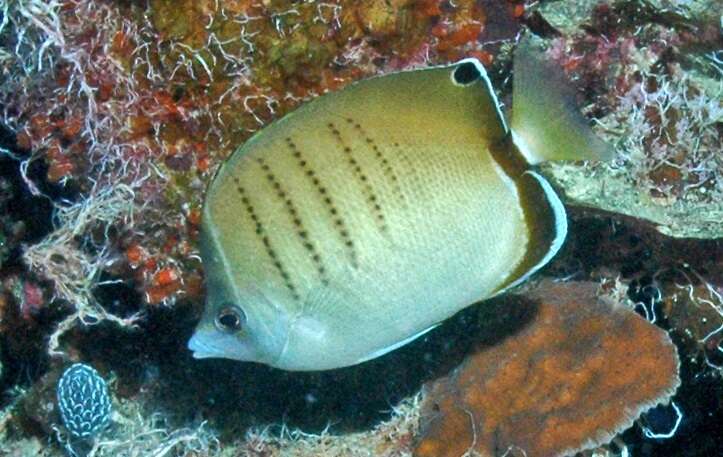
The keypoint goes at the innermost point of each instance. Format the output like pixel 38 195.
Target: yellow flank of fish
pixel 369 215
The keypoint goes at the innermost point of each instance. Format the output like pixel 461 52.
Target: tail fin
pixel 545 123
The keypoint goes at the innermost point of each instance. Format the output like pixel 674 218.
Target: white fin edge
pixel 398 344
pixel 481 69
pixel 558 209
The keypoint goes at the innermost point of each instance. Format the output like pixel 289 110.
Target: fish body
pixel 368 216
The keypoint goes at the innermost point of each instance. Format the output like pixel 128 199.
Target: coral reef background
pixel 115 115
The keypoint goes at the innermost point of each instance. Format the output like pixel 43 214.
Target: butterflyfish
pixel 369 215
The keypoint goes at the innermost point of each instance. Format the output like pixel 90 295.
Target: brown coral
pixel 579 372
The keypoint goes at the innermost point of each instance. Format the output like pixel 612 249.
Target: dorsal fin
pixel 545 123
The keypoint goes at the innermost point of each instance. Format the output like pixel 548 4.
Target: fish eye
pixel 466 73
pixel 230 319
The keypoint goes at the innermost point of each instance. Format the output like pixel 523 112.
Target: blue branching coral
pixel 83 401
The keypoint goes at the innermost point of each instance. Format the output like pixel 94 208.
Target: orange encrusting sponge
pixel 577 374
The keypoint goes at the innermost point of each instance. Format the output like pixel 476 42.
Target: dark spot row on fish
pixel 261 232
pixel 387 169
pixel 293 213
pixel 331 208
pixel 371 197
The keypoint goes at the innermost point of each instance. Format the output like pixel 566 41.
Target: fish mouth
pixel 201 349
pixel 206 344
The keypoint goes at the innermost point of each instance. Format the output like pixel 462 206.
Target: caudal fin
pixel 546 123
